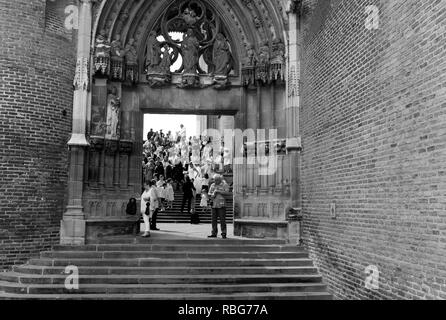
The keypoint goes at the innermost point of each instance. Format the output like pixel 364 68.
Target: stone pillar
pixel 73 224
pixel 293 143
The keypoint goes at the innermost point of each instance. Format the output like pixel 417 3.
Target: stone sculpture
pixel 131 62
pixel 117 59
pixel 262 67
pixel 102 54
pixel 153 53
pixel 113 114
pixel 277 65
pixel 190 49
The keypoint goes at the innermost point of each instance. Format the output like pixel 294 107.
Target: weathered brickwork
pixel 374 134
pixel 36 75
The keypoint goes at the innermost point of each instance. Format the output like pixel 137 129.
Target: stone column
pixel 293 143
pixel 73 223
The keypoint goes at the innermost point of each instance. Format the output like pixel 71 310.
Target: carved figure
pixel 251 56
pixel 278 55
pixel 153 52
pixel 221 55
pixel 131 55
pixel 116 47
pixel 277 68
pixel 190 48
pixel 131 58
pixel 114 109
pixel 264 55
pixel 102 46
pixel 102 53
pixel 166 61
pixel 117 59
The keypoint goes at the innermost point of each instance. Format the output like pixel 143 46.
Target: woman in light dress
pixel 169 194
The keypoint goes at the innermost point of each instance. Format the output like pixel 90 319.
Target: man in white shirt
pixel 154 204
pixel 145 201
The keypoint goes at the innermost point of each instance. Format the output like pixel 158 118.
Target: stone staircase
pixel 174 215
pixel 169 269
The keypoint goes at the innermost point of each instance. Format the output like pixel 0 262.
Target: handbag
pixel 131 207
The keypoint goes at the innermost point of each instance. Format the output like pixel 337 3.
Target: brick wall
pixel 36 75
pixel 374 135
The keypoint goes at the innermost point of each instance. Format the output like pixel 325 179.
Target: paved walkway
pixel 183 230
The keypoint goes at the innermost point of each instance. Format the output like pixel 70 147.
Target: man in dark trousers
pixel 188 194
pixel 218 190
pixel 159 170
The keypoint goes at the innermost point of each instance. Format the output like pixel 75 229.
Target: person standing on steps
pixel 154 205
pixel 217 191
pixel 145 204
pixel 188 188
pixel 170 195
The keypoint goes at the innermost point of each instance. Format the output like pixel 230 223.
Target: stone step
pixel 181 247
pixel 161 288
pixel 231 241
pixel 181 280
pixel 186 263
pixel 43 271
pixel 167 255
pixel 176 296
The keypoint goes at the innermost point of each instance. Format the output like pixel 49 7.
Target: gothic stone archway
pixel 231 60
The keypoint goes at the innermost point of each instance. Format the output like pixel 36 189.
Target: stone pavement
pixel 183 230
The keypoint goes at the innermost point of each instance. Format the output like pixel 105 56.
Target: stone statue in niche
pixel 113 114
pixel 102 54
pixel 248 68
pixel 153 53
pixel 166 61
pixel 262 68
pixel 157 72
pixel 117 59
pixel 131 62
pixel 221 60
pixel 190 49
pixel 221 55
pixel 251 56
pixel 277 65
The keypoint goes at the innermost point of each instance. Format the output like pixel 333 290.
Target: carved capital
pixel 97 144
pixel 125 147
pixel 111 147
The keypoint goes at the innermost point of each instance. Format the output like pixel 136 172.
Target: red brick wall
pixel 36 75
pixel 374 134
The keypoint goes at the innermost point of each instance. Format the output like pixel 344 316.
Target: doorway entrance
pixel 179 148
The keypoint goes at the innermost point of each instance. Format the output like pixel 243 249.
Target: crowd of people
pixel 175 162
